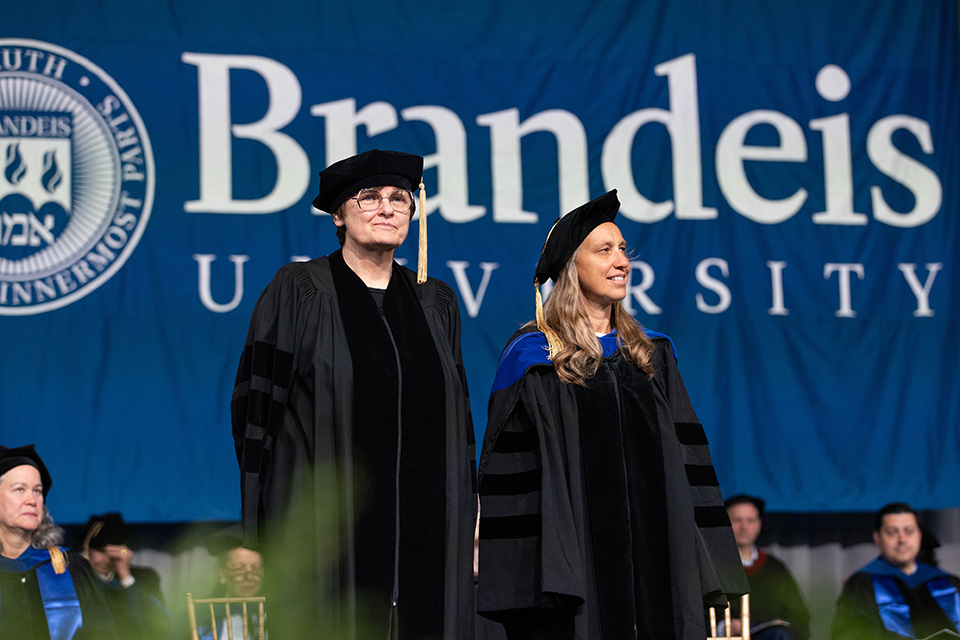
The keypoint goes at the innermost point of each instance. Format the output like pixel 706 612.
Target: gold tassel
pixel 553 340
pixel 94 530
pixel 58 560
pixel 422 251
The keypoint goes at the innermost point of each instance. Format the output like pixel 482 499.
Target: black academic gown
pixel 916 606
pixel 600 503
pixel 138 610
pixel 22 613
pixel 775 595
pixel 358 480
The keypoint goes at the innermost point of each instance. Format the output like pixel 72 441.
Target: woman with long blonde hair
pixel 601 515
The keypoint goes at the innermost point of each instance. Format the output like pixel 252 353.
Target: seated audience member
pixel 777 609
pixel 241 576
pixel 45 592
pixel 132 593
pixel 241 572
pixel 895 596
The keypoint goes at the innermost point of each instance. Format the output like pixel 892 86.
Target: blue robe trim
pixel 530 349
pixel 893 609
pixel 947 597
pixel 924 572
pixel 60 602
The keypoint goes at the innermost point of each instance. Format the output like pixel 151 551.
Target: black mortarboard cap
pixel 569 232
pixel 566 235
pixel 225 540
pixel 10 458
pixel 740 498
pixel 374 168
pixel 105 529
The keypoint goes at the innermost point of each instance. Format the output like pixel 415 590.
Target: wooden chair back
pixel 744 622
pixel 222 606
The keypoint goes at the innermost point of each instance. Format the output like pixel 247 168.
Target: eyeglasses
pixel 369 200
pixel 242 570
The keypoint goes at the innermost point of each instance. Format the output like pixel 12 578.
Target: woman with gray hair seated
pixel 45 592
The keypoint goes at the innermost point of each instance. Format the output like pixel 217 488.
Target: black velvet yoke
pixel 398 448
pixel 626 499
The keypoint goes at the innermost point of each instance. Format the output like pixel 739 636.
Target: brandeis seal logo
pixel 76 177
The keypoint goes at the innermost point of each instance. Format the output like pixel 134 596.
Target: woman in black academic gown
pixel 601 515
pixel 46 593
pixel 352 427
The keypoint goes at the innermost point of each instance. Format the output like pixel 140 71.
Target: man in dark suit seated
pixel 895 596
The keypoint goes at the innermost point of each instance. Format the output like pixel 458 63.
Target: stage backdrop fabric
pixel 788 175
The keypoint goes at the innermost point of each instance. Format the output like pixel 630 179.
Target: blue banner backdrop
pixel 788 174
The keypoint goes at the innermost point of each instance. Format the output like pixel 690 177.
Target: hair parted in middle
pixel 580 353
